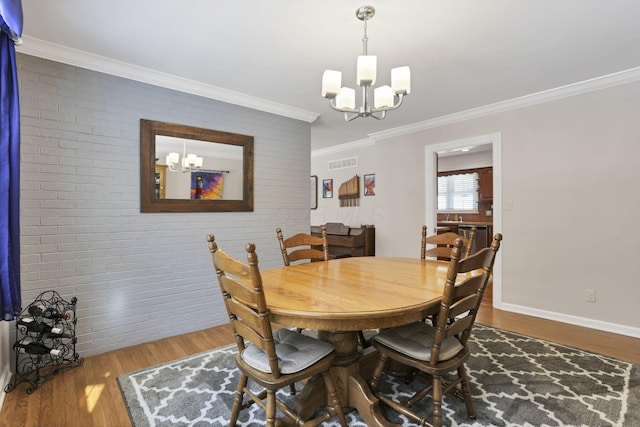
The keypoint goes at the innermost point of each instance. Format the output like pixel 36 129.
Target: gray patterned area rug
pixel 516 381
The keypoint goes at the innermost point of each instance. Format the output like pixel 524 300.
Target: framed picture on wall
pixel 370 184
pixel 327 188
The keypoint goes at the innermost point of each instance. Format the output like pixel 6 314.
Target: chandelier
pixel 385 97
pixel 189 163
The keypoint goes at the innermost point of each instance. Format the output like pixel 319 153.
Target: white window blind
pixel 458 193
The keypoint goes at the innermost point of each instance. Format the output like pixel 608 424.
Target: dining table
pixel 342 296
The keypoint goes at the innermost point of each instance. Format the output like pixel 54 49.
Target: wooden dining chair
pixel 444 244
pixel 271 359
pixel 300 247
pixel 440 349
pixel 303 246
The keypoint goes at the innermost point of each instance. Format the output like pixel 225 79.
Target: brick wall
pixel 138 277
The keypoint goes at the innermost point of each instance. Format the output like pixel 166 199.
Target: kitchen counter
pixel 445 223
pixel 483 234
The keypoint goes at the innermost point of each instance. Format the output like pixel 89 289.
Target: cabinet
pixel 346 241
pixel 160 181
pixel 485 184
pixel 45 341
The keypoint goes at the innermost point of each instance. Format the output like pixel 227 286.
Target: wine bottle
pixel 36 310
pixel 53 313
pixel 33 326
pixel 31 347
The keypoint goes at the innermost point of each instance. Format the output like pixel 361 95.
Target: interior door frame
pixel 431 191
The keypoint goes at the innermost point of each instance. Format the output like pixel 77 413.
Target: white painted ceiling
pixel 463 54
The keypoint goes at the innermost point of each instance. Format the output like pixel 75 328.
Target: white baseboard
pixel 572 320
pixel 4 380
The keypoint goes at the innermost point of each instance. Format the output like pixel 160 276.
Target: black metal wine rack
pixel 48 323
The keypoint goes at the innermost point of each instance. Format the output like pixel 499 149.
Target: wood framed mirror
pixel 189 169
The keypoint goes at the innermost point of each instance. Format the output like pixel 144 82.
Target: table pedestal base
pixel 347 371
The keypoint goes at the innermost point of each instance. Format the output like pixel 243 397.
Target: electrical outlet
pixel 590 295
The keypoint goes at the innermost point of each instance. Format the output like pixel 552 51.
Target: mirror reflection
pixel 189 169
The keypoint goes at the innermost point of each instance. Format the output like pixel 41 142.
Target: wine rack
pixel 45 341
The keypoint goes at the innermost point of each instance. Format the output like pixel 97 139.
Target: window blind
pixel 458 193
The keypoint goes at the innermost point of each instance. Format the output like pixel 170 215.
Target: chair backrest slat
pixel 246 315
pixel 459 326
pixel 478 261
pixel 249 334
pixel 307 253
pixel 467 286
pixel 444 243
pixel 248 296
pixel 303 246
pixel 439 252
pixel 463 305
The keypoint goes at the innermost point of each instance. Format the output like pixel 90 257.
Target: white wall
pixel 569 171
pixel 138 277
pixel 329 209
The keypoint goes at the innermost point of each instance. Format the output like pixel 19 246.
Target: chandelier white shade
pixel 189 163
pixel 385 97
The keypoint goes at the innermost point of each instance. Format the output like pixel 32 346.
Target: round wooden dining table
pixel 343 296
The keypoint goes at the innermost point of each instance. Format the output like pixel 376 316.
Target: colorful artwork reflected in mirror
pixel 206 185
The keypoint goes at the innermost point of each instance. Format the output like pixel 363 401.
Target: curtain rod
pixel 210 170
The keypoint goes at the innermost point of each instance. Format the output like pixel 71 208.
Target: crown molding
pixel 362 143
pixel 66 55
pixel 579 88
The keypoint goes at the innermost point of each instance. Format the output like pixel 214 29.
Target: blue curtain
pixel 10 31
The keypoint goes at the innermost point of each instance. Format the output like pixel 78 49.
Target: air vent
pixel 350 162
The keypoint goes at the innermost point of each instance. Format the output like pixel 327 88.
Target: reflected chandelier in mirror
pixel 189 169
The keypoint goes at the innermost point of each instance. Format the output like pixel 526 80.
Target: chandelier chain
pixel 365 39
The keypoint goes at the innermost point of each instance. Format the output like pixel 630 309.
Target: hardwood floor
pixel 89 395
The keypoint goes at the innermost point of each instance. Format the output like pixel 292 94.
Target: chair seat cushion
pixel 295 352
pixel 415 340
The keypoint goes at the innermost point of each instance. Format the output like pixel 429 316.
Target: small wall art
pixel 370 184
pixel 349 192
pixel 327 188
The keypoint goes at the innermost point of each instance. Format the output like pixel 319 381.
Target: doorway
pixel 432 153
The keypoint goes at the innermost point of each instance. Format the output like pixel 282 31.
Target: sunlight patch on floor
pixel 92 392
